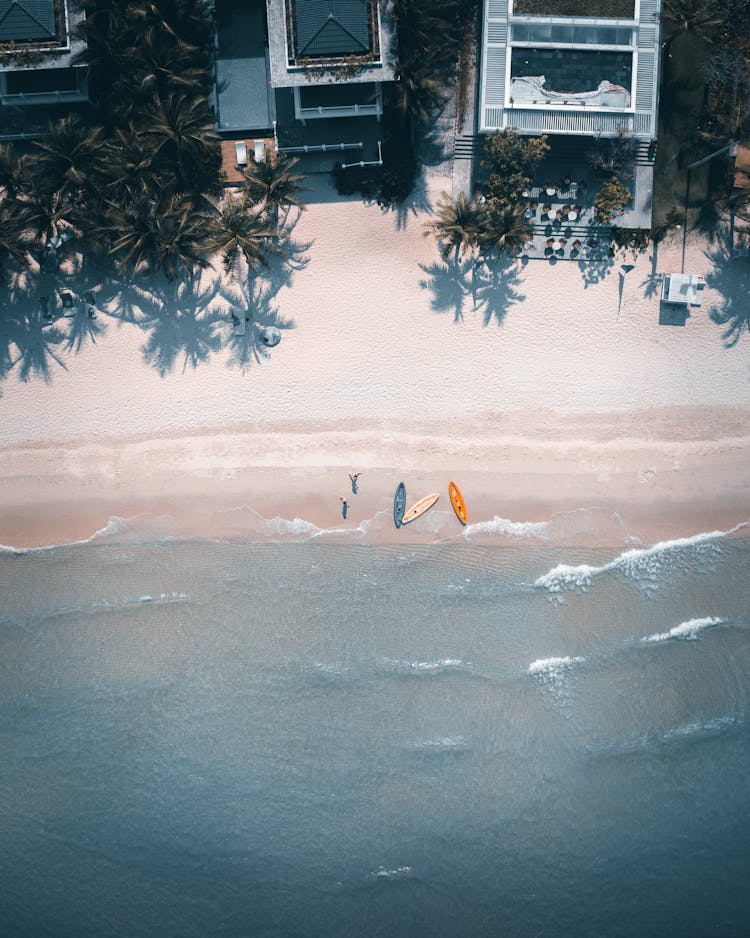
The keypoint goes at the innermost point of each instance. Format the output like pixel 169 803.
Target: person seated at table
pixel 562 242
pixel 549 247
pixel 577 209
pixel 567 181
pixel 575 248
pixel 566 209
pixel 546 209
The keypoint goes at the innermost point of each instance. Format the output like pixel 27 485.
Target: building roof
pixel 24 20
pixel 331 27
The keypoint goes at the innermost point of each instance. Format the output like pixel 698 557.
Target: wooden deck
pixel 229 157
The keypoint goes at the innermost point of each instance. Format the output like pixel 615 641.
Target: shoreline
pixel 595 479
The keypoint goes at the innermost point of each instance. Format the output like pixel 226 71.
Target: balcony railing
pixel 345 110
pixel 42 97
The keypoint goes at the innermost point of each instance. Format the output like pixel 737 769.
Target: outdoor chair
pixel 240 148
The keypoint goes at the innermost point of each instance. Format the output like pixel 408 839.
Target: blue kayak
pixel 399 504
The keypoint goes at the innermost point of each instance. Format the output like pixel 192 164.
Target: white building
pixel 555 73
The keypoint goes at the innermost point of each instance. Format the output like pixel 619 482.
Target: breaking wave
pixel 637 563
pixel 552 668
pixel 687 631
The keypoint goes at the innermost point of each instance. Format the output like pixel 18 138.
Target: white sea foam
pixel 707 728
pixel 114 527
pixel 507 528
pixel 146 598
pixel 552 668
pixel 442 744
pixel 429 666
pixel 286 527
pixel 634 563
pixel 396 872
pixel 688 631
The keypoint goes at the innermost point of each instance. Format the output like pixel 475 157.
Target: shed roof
pixel 22 20
pixel 331 27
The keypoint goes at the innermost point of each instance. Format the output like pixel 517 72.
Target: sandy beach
pixel 540 393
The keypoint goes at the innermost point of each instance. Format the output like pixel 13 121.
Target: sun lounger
pixel 67 304
pixel 259 153
pixel 240 148
pixel 239 318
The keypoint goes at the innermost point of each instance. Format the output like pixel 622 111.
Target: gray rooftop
pixel 24 20
pixel 331 27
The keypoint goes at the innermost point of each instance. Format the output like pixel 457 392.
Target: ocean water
pixel 313 738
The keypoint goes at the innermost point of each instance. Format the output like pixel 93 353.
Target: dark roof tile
pixel 331 27
pixel 22 20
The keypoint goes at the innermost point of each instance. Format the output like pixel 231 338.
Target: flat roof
pixel 245 99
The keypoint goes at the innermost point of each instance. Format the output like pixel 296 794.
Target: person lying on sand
pixel 354 476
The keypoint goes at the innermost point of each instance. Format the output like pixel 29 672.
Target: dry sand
pixel 538 393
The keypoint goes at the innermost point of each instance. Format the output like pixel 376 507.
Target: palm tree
pixel 695 16
pixel 181 129
pixel 503 228
pixel 274 182
pixel 47 215
pixel 457 225
pixel 167 234
pixel 66 156
pixel 14 236
pixel 236 230
pixel 14 173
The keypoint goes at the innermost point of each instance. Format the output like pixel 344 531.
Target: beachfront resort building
pixel 577 71
pixel 549 70
pixel 38 45
pixel 313 69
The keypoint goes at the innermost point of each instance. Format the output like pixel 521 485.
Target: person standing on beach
pixel 353 477
pixel 344 507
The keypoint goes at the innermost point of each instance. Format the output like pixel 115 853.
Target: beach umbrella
pixel 270 336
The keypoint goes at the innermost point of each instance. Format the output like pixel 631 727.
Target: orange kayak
pixel 423 505
pixel 457 500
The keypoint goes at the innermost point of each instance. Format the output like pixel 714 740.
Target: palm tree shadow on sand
pixel 449 282
pixel 253 298
pixel 730 277
pixel 415 204
pixel 31 344
pixel 495 287
pixel 492 283
pixel 179 323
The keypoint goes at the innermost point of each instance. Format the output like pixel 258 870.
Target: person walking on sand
pixel 354 476
pixel 344 507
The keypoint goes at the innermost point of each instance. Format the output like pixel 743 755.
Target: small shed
pixel 684 289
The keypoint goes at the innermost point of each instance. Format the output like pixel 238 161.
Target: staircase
pixel 468 146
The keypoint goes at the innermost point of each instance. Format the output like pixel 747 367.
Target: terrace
pixel 606 9
pixel 562 67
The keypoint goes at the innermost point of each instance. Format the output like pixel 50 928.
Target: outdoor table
pixel 572 216
pixel 557 245
pixel 550 191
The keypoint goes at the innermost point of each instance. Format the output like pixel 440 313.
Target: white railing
pixel 344 110
pixel 568 122
pixel 41 97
